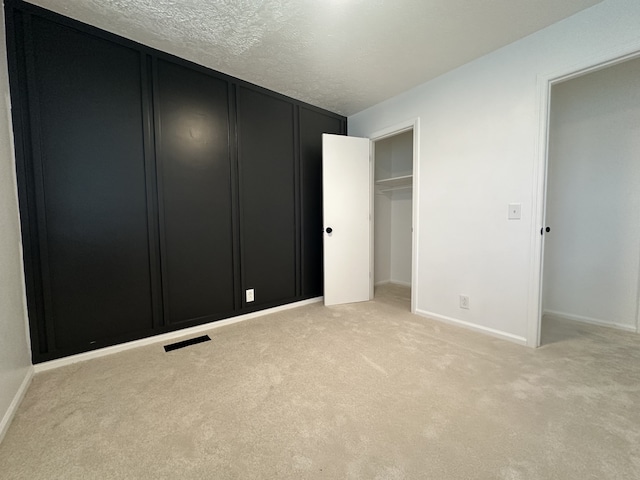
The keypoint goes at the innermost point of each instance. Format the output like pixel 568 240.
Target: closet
pixel 393 179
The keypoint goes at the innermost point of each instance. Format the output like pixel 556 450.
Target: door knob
pixel 548 229
pixel 329 230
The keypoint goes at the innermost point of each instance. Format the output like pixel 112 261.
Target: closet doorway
pixel 592 254
pixel 393 216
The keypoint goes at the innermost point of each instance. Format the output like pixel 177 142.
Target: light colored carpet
pixel 363 391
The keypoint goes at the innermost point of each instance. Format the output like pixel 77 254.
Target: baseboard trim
pixel 102 352
pixel 392 282
pixel 472 326
pixel 15 403
pixel 589 320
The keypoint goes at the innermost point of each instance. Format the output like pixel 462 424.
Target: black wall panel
pixel 193 155
pixel 312 125
pixel 266 159
pixel 90 178
pixel 153 192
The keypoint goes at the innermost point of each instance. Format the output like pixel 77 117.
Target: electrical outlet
pixel 464 301
pixel 250 295
pixel 515 210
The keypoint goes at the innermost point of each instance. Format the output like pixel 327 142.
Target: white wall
pixel 382 239
pixel 479 135
pixel 592 254
pixel 401 237
pixel 402 154
pixel 15 356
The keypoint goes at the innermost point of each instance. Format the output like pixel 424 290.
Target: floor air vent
pixel 186 343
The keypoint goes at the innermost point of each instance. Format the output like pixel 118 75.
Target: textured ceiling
pixel 343 55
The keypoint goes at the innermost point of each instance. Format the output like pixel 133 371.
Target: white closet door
pixel 346 217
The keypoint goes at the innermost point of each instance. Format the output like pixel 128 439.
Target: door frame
pixel 395 129
pixel 543 99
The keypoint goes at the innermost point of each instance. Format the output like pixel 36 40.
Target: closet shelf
pixel 394 183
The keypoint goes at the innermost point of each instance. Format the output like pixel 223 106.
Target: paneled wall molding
pixel 154 192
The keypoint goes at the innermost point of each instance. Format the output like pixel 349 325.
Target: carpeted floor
pixel 363 391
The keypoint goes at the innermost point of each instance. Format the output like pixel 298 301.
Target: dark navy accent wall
pixel 153 191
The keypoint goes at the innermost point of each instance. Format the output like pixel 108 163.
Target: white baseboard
pixel 15 403
pixel 472 326
pixel 589 320
pixel 392 282
pixel 102 352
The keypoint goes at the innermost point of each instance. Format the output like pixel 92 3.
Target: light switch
pixel 514 211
